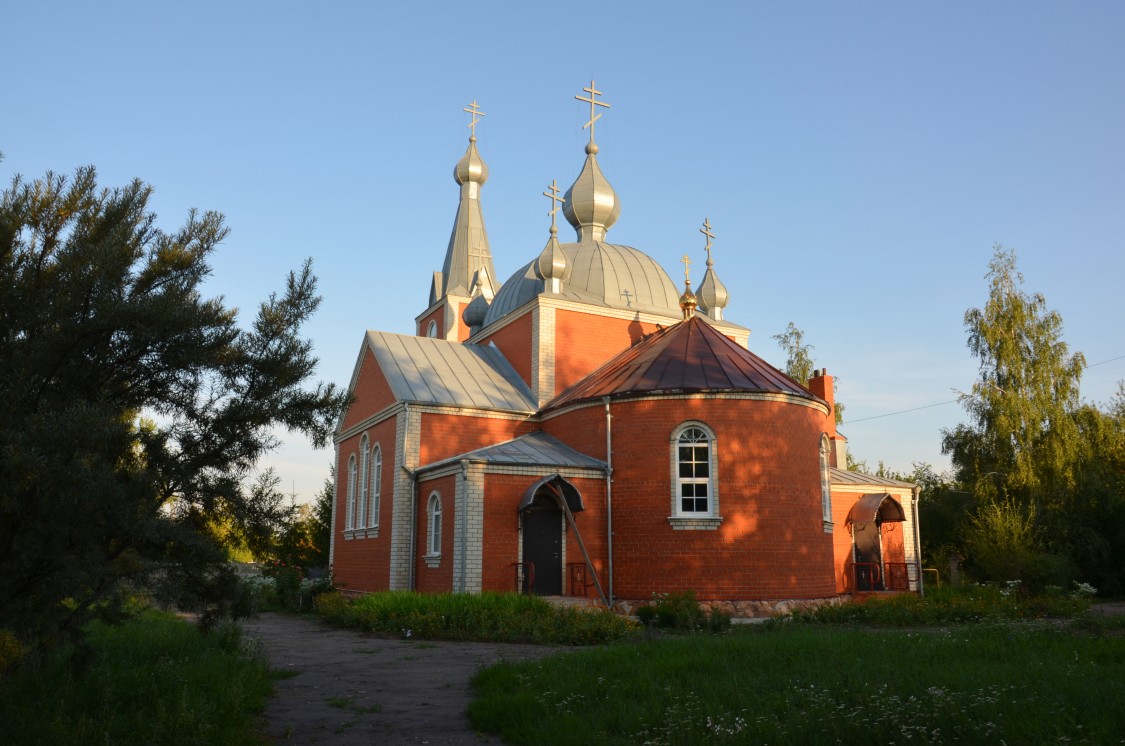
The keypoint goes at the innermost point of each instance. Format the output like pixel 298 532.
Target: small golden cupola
pixel 688 301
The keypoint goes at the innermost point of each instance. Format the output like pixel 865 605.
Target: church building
pixel 589 428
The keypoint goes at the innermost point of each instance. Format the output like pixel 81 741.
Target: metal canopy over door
pixel 542 544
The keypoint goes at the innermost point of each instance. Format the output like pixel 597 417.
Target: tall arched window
pixel 825 483
pixel 431 329
pixel 361 504
pixel 433 513
pixel 349 516
pixel 693 463
pixel 376 486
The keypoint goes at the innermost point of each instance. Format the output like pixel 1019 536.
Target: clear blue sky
pixel 857 160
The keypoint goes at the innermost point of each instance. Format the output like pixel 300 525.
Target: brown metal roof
pixel 689 357
pixel 883 505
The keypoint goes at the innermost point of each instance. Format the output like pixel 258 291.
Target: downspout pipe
pixel 917 537
pixel 609 495
pixel 412 542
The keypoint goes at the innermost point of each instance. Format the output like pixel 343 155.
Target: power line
pixel 953 401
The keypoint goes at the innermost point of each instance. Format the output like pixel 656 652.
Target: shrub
pixel 681 612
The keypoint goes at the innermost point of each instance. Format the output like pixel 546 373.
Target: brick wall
pixel 584 342
pixel 435 575
pixel 446 435
pixel 361 560
pixel 514 341
pixel 372 392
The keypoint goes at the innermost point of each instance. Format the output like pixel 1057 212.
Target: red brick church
pixel 588 428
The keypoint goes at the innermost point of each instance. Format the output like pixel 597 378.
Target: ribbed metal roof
pixel 601 274
pixel 534 449
pixel 435 371
pixel 843 476
pixel 690 357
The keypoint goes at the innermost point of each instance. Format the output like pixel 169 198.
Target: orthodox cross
pixel 628 297
pixel 706 230
pixel 556 200
pixel 593 101
pixel 475 111
pixel 687 269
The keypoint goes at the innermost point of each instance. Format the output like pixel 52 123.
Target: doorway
pixel 542 545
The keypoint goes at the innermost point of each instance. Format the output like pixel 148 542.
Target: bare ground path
pixel 348 687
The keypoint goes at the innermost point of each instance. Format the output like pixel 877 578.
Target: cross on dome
pixel 556 200
pixel 706 231
pixel 474 110
pixel 593 101
pixel 687 269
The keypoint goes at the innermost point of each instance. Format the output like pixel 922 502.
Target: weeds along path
pixel 345 687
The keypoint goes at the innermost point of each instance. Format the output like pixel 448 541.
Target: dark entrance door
pixel 542 544
pixel 868 556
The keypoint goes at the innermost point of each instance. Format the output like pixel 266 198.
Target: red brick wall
pixel 372 392
pixel 502 494
pixel 363 564
pixel 514 341
pixel 585 342
pixel 446 435
pixel 437 315
pixel 435 579
pixel 771 542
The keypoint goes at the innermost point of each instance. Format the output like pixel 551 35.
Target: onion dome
pixel 477 308
pixel 551 266
pixel 592 206
pixel 471 169
pixel 688 301
pixel 713 294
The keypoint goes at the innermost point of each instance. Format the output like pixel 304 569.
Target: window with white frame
pixel 433 513
pixel 376 486
pixel 361 503
pixel 693 449
pixel 431 330
pixel 825 483
pixel 349 515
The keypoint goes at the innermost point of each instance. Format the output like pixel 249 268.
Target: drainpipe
pixel 335 499
pixel 917 536
pixel 609 494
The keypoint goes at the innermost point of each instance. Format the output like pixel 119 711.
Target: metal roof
pixel 843 476
pixel 601 274
pixel 534 449
pixel 689 357
pixel 870 507
pixel 435 371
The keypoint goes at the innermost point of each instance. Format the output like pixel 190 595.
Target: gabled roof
pixel 842 476
pixel 689 357
pixel 435 371
pixel 533 449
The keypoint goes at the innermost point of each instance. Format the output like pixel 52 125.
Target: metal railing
pixel 888 576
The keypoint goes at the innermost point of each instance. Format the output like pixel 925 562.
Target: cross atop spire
pixel 474 110
pixel 706 230
pixel 687 269
pixel 556 200
pixel 594 103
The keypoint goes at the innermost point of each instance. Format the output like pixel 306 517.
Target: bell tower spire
pixel 468 268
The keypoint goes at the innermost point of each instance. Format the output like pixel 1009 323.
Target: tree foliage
pixel 799 363
pixel 1033 455
pixel 134 408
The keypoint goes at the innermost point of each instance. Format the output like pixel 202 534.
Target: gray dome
pixel 602 274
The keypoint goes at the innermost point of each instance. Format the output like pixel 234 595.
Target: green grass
pixel 1024 682
pixel 153 680
pixel 495 617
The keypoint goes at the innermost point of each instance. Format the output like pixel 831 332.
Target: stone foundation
pixel 744 609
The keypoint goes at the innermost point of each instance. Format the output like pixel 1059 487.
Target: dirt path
pixel 352 688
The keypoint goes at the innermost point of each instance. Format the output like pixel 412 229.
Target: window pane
pixel 703 470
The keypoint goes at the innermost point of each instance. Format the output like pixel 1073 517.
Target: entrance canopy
pixel 878 505
pixel 561 489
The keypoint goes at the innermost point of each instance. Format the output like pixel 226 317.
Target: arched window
pixel 693 465
pixel 376 486
pixel 433 512
pixel 431 330
pixel 349 516
pixel 825 483
pixel 361 504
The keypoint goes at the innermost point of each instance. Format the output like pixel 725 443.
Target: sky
pixel 857 161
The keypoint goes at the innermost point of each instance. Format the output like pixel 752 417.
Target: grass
pixel 1022 682
pixel 155 679
pixel 495 617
